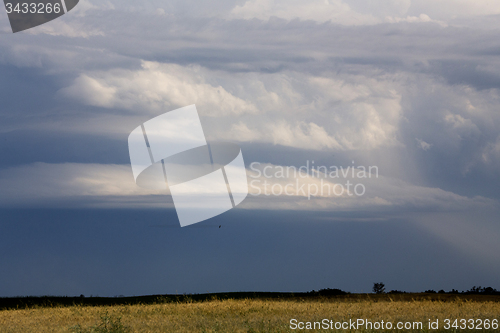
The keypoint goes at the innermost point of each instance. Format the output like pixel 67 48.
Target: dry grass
pixel 250 315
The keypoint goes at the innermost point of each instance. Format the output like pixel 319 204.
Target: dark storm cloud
pixel 418 99
pixel 138 252
pixel 465 72
pixel 45 64
pixel 31 146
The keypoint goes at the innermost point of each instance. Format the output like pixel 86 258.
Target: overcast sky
pixel 410 87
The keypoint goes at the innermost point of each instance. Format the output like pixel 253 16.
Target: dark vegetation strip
pixel 324 295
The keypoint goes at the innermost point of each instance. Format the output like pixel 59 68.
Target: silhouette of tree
pixel 378 288
pixel 328 292
pixel 490 291
pixel 396 292
pixel 484 291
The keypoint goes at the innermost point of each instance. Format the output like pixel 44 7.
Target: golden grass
pixel 250 315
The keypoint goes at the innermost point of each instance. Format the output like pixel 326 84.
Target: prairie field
pixel 255 315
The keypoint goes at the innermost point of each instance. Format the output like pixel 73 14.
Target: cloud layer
pixel 410 85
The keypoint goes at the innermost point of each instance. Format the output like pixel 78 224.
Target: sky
pixel 410 88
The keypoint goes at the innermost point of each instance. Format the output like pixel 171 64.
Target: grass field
pixel 253 315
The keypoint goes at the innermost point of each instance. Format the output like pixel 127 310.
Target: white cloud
pixel 452 119
pixel 242 132
pixel 85 6
pixel 315 112
pixel 61 27
pixel 491 153
pixel 365 12
pixel 317 10
pixel 91 91
pixel 450 9
pixel 154 88
pixel 359 90
pixel 424 145
pixel 458 122
pixel 422 18
pixel 52 184
pixel 84 185
pixel 303 135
